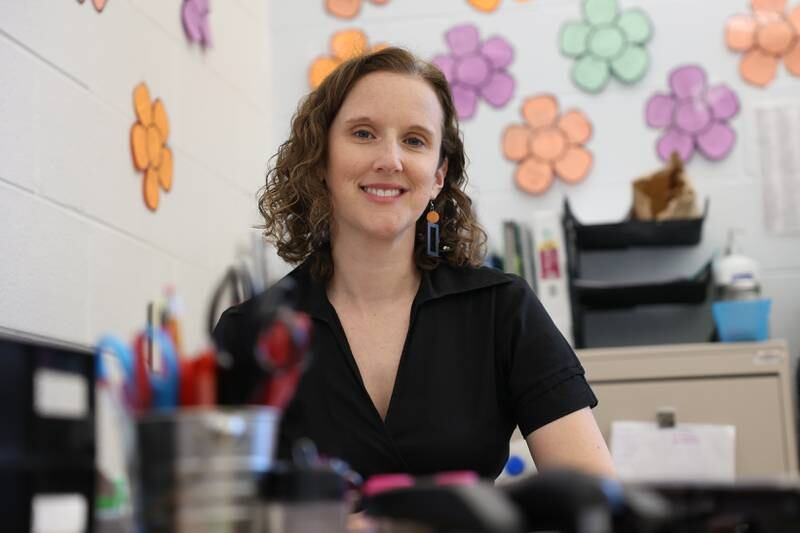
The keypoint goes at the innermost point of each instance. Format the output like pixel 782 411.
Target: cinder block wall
pixel 80 254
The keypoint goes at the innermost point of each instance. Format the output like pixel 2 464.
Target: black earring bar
pixel 433 240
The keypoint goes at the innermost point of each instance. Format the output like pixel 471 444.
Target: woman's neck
pixel 374 273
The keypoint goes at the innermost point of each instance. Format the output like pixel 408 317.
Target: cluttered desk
pixel 187 444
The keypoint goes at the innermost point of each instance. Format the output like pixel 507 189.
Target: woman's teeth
pixel 382 192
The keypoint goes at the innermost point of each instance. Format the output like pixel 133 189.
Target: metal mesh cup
pixel 198 469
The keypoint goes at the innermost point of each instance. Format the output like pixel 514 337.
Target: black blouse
pixel 481 356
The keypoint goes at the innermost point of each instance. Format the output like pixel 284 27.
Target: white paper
pixel 778 134
pixel 58 513
pixel 59 394
pixel 642 451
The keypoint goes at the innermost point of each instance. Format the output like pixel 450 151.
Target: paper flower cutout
pixel 98 4
pixel 694 116
pixel 476 69
pixel 194 15
pixel 344 45
pixel 764 38
pixel 487 6
pixel 149 145
pixel 548 145
pixel 608 42
pixel 347 9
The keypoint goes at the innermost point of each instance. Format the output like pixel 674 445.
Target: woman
pixel 422 363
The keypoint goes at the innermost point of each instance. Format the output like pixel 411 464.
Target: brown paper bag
pixel 665 195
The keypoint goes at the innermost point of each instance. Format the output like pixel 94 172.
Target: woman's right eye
pixel 362 134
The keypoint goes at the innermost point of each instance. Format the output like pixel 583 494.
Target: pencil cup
pixel 198 469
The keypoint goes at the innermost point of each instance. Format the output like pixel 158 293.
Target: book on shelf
pixel 518 251
pixel 535 250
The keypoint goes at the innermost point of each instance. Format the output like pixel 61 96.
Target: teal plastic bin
pixel 742 320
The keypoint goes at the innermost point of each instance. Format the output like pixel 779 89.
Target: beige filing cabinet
pixel 748 385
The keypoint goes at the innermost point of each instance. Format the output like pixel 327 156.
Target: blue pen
pixel 144 389
pixel 115 347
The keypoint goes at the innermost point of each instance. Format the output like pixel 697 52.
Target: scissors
pixel 144 389
pixel 239 284
pixel 283 350
pixel 277 340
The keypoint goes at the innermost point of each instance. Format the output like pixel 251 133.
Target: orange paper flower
pixel 344 45
pixel 765 37
pixel 151 154
pixel 548 145
pixel 347 9
pixel 487 6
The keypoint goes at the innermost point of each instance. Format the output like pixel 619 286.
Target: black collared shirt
pixel 481 357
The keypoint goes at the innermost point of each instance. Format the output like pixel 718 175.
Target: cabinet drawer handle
pixel 768 357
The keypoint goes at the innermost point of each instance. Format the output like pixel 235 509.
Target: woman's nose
pixel 388 158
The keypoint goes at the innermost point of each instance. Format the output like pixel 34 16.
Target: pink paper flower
pixel 195 21
pixel 694 115
pixel 98 4
pixel 476 69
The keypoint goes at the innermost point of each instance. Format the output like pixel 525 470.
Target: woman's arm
pixel 572 441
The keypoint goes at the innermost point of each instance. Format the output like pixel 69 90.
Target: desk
pixel 748 385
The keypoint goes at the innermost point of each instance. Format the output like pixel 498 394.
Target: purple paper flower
pixel 476 69
pixel 195 21
pixel 694 115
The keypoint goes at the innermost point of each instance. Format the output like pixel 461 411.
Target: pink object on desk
pixel 386 482
pixel 456 477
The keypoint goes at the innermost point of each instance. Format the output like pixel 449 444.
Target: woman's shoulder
pixel 479 275
pixel 447 279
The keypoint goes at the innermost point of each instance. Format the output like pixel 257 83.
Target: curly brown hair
pixel 295 202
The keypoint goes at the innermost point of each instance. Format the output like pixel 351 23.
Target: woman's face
pixel 383 157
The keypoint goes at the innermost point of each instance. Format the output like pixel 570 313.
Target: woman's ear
pixel 441 172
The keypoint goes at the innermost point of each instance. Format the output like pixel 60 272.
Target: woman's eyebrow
pixel 425 130
pixel 357 120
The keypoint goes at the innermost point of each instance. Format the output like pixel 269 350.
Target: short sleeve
pixel 545 379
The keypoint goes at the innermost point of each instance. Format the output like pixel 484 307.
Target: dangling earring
pixel 433 231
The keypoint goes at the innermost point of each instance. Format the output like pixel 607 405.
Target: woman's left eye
pixel 415 141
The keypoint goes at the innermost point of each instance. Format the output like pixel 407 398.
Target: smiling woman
pixel 422 363
pixel 384 165
pixel 296 204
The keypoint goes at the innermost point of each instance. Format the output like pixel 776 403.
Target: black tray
pixel 25 435
pixel 629 233
pixel 19 485
pixel 602 295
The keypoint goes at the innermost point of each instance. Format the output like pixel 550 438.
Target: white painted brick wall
pixel 80 254
pixel 44 266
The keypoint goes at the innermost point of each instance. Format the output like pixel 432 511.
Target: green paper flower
pixel 608 42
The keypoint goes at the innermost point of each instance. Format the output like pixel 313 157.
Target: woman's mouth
pixel 382 192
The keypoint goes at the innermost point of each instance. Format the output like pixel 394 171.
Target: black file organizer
pixel 588 295
pixel 42 455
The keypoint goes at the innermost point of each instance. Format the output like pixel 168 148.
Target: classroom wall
pixel 686 31
pixel 80 254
